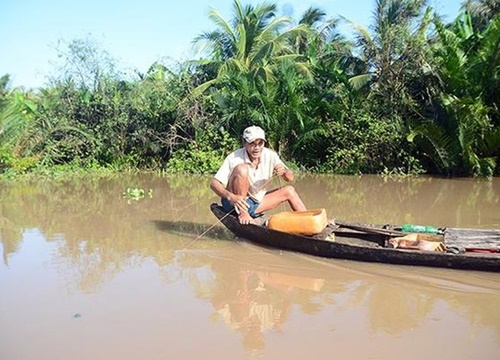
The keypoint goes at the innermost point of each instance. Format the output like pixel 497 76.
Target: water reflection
pixel 253 298
pixel 254 291
pixel 97 230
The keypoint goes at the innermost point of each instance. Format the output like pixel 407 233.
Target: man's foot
pixel 246 219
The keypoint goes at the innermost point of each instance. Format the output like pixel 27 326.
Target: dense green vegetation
pixel 411 94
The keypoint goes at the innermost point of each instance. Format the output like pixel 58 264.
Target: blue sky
pixel 135 33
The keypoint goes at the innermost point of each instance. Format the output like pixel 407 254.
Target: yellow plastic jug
pixel 309 222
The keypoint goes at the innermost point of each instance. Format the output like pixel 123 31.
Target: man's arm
pixel 281 170
pixel 219 189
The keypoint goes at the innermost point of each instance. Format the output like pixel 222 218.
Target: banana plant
pixel 463 139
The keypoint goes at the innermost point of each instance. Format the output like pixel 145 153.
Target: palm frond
pixel 359 81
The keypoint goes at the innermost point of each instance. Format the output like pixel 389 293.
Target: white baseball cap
pixel 253 133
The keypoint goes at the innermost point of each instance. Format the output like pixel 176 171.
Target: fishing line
pixel 222 218
pixel 210 228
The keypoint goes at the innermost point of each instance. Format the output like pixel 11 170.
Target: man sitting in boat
pixel 242 180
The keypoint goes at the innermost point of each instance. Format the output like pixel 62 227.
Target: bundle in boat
pixel 417 241
pixel 309 222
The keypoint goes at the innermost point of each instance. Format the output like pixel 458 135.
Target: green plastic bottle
pixel 419 228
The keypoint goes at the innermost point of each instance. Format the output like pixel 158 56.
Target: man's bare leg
pixel 278 196
pixel 238 184
pixel 238 181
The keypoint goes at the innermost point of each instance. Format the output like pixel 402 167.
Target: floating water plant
pixel 137 194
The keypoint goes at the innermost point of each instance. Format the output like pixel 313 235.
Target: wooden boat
pixel 468 249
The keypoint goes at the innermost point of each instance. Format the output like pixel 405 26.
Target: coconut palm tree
pixel 245 52
pixel 251 43
pixel 394 54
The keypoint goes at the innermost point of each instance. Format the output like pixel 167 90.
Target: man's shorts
pixel 252 206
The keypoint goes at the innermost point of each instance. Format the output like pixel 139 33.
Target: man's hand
pixel 241 207
pixel 240 203
pixel 280 170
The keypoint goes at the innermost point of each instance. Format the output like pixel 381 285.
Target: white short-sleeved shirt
pixel 257 176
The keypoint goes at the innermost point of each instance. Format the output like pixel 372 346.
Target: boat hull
pixel 357 245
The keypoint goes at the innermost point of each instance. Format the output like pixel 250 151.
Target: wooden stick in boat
pixel 369 229
pixel 388 232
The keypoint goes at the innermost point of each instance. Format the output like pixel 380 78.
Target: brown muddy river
pixel 89 274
